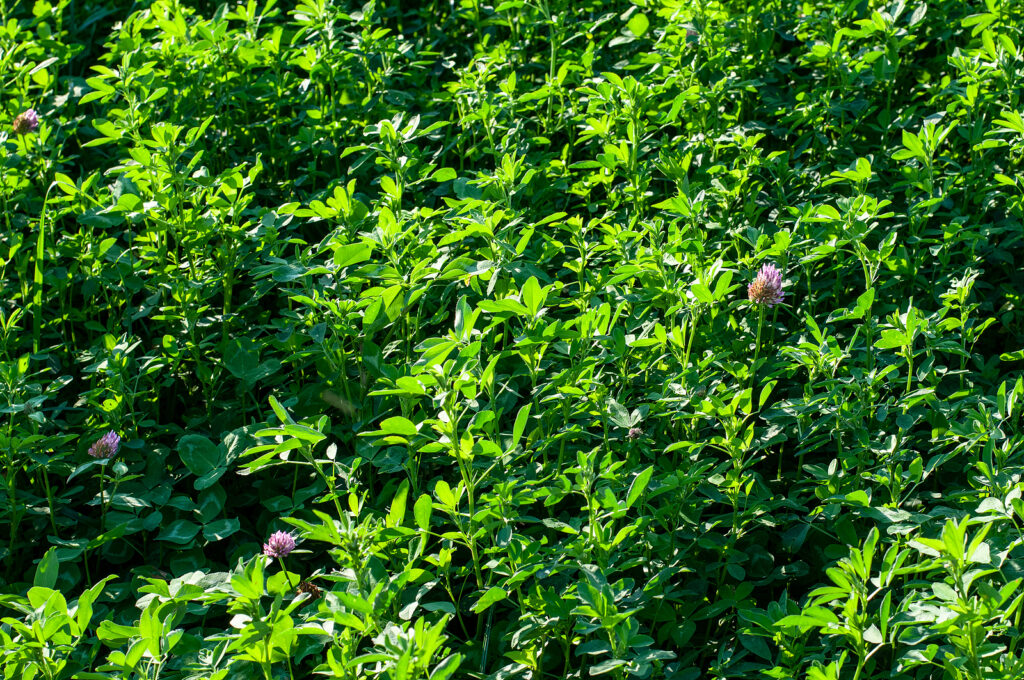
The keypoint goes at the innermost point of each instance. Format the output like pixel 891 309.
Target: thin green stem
pixel 757 352
pixel 280 561
pixel 103 506
pixel 49 500
pixel 37 276
pixel 910 369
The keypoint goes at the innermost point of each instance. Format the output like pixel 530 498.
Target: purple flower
pixel 634 433
pixel 106 446
pixel 279 544
pixel 766 289
pixel 26 122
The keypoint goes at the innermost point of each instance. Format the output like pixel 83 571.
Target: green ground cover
pixel 443 339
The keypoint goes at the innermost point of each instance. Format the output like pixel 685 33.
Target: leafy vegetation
pixel 413 340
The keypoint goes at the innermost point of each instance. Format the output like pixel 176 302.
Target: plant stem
pixel 286 574
pixel 37 276
pixel 103 506
pixel 49 500
pixel 910 369
pixel 757 352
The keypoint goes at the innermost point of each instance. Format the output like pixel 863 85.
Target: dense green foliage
pixel 456 294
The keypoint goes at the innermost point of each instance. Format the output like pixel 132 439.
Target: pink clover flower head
pixel 279 544
pixel 26 122
pixel 634 433
pixel 766 288
pixel 106 447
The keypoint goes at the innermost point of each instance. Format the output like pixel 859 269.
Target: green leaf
pixel 607 666
pixel 399 426
pixel 220 529
pixel 520 425
pixel 351 254
pixel 863 169
pixel 83 615
pixel 702 293
pixel 981 555
pixel 858 497
pixel 638 25
pixel 354 602
pixel 892 338
pixel 246 587
pixel 447 668
pixel 150 627
pixel 918 14
pixel 494 594
pixel 504 305
pixel 873 635
pixel 944 592
pixel 203 458
pixel 422 511
pixel 389 186
pixel 533 296
pixel 396 515
pixel 279 411
pixel 47 570
pixel 811 616
pixel 242 359
pixel 179 531
pixel 198 453
pixel 444 494
pixel 638 486
pixel 953 539
pixel 913 143
pixel 757 645
pixel 115 634
pixel 617 413
pixel 864 302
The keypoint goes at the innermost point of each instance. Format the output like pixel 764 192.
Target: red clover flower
pixel 279 544
pixel 106 446
pixel 766 289
pixel 26 122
